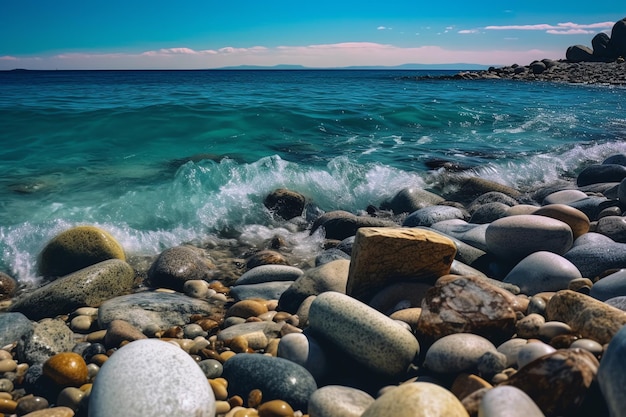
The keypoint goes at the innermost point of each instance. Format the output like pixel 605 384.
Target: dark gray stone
pixel 610 286
pixel 613 227
pixel 612 374
pixel 284 203
pixel 265 290
pixel 617 302
pixel 579 53
pixel 600 44
pixel 489 212
pixel 341 224
pixel 593 259
pixel 409 200
pixel 176 265
pixel 618 159
pixel 591 206
pixel 617 44
pixel 277 378
pixel 330 255
pixel 49 337
pixel 598 173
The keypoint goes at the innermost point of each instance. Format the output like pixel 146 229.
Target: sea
pixel 163 158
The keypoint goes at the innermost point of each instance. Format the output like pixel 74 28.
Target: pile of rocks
pixel 604 64
pixel 489 302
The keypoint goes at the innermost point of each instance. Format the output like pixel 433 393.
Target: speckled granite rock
pixel 149 309
pixel 87 287
pixel 594 253
pixel 277 378
pixel 416 399
pixel 610 286
pixel 591 318
pixel 382 256
pixel 409 199
pixel 427 216
pixel 455 353
pixel 368 336
pixel 151 378
pixel 49 337
pixel 77 248
pixel 176 265
pixel 508 401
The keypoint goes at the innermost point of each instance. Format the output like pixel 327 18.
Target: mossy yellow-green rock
pixel 77 248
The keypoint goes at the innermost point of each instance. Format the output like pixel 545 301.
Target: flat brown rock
pixel 385 255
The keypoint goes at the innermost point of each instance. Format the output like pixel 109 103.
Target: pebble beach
pixel 485 301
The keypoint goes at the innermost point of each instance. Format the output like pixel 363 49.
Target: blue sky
pixel 135 34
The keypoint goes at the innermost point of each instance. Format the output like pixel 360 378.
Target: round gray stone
pixel 612 374
pixel 265 290
pixel 506 400
pixel 277 378
pixel 594 258
pixel 564 197
pixel 49 337
pixel 13 327
pixel 515 237
pixel 305 351
pixel 613 227
pixel 427 216
pixel 151 378
pixel 457 352
pixel 542 271
pixel 269 273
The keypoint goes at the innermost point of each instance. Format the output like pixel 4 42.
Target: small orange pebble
pixel 7 406
pixel 275 408
pixel 66 369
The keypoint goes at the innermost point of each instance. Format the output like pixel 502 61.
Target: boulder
pixel 579 53
pixel 430 215
pixel 48 337
pixel 382 256
pixel 542 271
pixel 600 44
pixel 409 200
pixel 612 374
pixel 341 224
pixel 617 44
pixel 600 173
pixel 78 248
pixel 8 286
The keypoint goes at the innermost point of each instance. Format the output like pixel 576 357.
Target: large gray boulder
pixel 617 44
pixel 579 53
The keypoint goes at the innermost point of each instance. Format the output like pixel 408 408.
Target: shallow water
pixel 164 157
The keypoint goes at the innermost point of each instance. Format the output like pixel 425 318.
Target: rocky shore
pixel 603 63
pixel 485 301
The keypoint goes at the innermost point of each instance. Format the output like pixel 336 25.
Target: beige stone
pixel 385 255
pixel 591 318
pixel 52 412
pixel 576 219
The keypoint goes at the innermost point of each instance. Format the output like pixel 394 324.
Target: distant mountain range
pixel 448 67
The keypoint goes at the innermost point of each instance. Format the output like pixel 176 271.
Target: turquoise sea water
pixel 164 157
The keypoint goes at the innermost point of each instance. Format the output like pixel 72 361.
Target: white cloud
pixel 568 28
pixel 468 31
pixel 383 28
pixel 315 56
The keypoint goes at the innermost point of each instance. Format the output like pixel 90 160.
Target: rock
pixel 489 212
pixel 341 224
pixel 78 248
pixel 612 374
pixel 49 337
pixel 621 191
pixel 528 327
pixel 579 53
pixel 465 384
pixel 416 399
pixel 619 159
pixel 7 286
pixel 610 286
pixel 149 309
pixel 332 276
pixel 460 304
pixel 52 412
pixel 382 256
pixel 591 318
pixel 276 378
pixel 366 335
pixel 516 237
pixel 256 334
pixel 330 255
pixel 600 46
pixel 468 233
pixel 455 353
pixel 119 331
pixel 285 203
pixel 265 257
pixel 563 197
pixel 542 271
pixel 558 382
pixel 265 290
pixel 595 255
pixel 269 273
pixel 508 401
pixel 427 216
pixel 576 219
pixel 304 350
pixel 409 200
pixel 474 186
pixel 511 348
pixel 87 287
pixel 13 327
pixel 151 378
pixel 591 206
pixel 67 369
pixel 275 408
pixel 339 401
pixel 246 309
pixel 399 296
pixel 600 173
pixel 617 44
pixel 533 351
pixel 176 265
pixel 491 197
pixel 537 67
pixel 613 227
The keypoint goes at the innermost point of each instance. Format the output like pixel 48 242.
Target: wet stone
pixel 459 352
pixel 339 401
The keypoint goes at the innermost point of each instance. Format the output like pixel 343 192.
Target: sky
pixel 199 34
